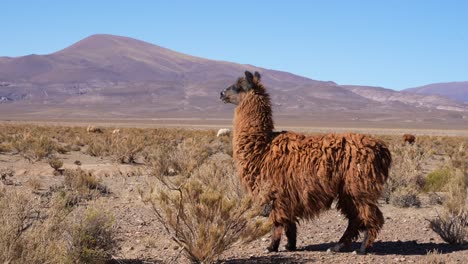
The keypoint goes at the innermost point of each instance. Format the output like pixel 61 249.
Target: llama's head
pixel 236 92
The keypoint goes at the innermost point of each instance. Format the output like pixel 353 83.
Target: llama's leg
pixel 362 249
pixel 351 233
pixel 349 209
pixel 373 220
pixel 291 234
pixel 275 237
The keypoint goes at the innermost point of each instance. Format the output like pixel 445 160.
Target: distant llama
pixel 408 138
pixel 223 132
pixel 93 129
pixel 303 175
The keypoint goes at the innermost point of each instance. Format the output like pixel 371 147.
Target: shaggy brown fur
pixel 303 175
pixel 408 138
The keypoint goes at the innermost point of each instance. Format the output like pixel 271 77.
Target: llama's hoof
pixel 290 247
pixel 271 249
pixel 359 252
pixel 336 248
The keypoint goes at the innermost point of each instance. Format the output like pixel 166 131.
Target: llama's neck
pixel 253 126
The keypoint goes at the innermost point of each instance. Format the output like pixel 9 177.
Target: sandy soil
pixel 406 236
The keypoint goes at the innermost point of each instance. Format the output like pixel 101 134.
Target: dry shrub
pixel 436 198
pixel 405 198
pixel 202 207
pixel 456 193
pixel 126 148
pixel 35 183
pixel 406 172
pixel 451 227
pixel 28 234
pixel 34 230
pixel 91 238
pixel 5 147
pixel 55 163
pixel 99 146
pixel 34 146
pixel 83 184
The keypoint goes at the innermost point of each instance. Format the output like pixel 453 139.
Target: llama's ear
pixel 249 77
pixel 257 75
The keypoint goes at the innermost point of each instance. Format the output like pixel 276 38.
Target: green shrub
pixel 92 238
pixel 436 180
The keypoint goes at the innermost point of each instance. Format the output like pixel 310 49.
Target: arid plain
pixel 124 171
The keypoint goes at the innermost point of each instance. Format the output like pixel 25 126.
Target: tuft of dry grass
pixel 434 257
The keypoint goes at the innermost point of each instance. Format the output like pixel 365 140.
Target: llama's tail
pixel 383 158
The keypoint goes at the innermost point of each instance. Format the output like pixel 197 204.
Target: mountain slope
pixel 454 90
pixel 114 76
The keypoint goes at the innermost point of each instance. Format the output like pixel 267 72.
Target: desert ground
pixel 122 164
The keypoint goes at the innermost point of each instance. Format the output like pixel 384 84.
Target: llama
pixel 223 132
pixel 303 175
pixel 408 138
pixel 93 129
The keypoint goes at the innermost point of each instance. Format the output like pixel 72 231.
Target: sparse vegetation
pixel 436 180
pixel 91 239
pixel 201 204
pixel 55 163
pixel 451 227
pixel 193 180
pixel 406 173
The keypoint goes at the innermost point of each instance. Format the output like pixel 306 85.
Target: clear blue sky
pixel 394 43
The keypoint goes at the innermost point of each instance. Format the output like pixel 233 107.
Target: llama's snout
pixel 223 96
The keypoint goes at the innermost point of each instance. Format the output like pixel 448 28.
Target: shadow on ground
pixel 405 248
pixel 270 259
pixel 135 261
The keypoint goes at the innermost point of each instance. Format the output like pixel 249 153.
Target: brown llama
pixel 408 138
pixel 303 175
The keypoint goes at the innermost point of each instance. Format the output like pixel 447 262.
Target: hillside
pixel 106 76
pixel 454 90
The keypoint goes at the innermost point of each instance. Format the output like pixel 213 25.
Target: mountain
pixel 454 90
pixel 114 77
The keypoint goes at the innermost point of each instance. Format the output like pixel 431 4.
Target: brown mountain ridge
pixel 106 76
